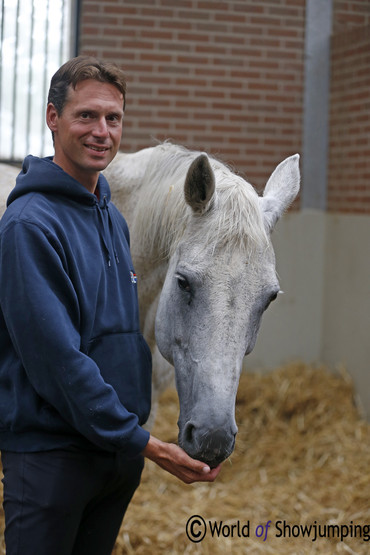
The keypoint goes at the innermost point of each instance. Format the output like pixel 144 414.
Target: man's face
pixel 88 132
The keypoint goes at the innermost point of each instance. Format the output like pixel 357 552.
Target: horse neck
pixel 126 177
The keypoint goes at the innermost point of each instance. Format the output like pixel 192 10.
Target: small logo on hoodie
pixel 133 277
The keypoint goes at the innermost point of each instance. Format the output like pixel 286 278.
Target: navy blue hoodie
pixel 74 367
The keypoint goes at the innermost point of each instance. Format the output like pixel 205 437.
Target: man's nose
pixel 101 128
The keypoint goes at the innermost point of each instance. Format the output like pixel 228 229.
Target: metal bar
pixel 30 78
pixel 316 104
pixel 1 55
pixel 15 79
pixel 62 27
pixel 46 48
pixel 75 14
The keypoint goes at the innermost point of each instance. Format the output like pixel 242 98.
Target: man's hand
pixel 172 458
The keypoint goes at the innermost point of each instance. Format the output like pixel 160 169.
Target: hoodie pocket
pixel 125 363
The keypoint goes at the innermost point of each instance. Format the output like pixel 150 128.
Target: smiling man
pixel 87 133
pixel 75 371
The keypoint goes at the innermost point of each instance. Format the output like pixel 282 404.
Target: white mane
pixel 233 219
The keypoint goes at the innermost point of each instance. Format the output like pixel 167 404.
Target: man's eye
pixel 114 118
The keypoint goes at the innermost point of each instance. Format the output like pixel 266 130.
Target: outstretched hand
pixel 174 460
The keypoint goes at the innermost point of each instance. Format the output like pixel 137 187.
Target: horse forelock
pixel 233 220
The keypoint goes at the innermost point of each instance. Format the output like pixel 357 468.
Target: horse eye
pixel 272 298
pixel 183 283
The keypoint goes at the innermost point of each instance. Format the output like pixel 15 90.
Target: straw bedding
pixel 302 457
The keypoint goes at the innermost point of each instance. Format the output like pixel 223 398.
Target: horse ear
pixel 199 184
pixel 280 191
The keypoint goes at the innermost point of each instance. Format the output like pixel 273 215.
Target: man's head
pixel 79 69
pixel 85 115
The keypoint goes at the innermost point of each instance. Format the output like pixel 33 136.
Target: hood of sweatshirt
pixel 41 175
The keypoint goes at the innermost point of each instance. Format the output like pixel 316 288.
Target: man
pixel 74 367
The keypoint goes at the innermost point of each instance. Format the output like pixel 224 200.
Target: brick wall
pixel 350 14
pixel 349 154
pixel 226 76
pixel 220 75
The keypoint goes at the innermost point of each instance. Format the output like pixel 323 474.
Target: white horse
pixel 200 243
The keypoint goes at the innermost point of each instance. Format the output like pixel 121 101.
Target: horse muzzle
pixel 211 445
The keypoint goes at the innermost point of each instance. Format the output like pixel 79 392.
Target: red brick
pixel 204 73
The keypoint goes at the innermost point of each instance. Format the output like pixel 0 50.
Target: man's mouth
pixel 97 148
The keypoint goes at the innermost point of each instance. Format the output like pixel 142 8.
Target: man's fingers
pixel 176 461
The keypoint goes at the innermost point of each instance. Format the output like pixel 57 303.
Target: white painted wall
pixel 323 261
pixel 346 322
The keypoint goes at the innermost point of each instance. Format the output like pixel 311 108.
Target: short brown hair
pixel 79 69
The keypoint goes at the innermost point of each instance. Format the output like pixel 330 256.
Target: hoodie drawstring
pixel 110 224
pixel 106 231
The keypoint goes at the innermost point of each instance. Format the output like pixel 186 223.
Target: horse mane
pixel 233 220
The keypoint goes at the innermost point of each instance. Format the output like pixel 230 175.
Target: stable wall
pixel 349 139
pixel 323 261
pixel 224 77
pixel 292 326
pixel 346 322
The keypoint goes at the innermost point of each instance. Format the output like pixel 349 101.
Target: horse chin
pixel 215 460
pixel 211 459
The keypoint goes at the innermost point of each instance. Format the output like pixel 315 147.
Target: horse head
pixel 221 278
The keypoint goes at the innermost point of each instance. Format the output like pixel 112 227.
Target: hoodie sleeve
pixel 41 311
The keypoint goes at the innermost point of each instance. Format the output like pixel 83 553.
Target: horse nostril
pixel 188 435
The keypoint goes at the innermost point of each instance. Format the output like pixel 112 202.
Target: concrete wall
pixel 346 322
pixel 292 326
pixel 323 261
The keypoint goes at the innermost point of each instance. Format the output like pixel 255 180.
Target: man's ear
pixel 51 117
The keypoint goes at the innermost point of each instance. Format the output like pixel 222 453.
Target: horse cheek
pixel 165 324
pixel 162 337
